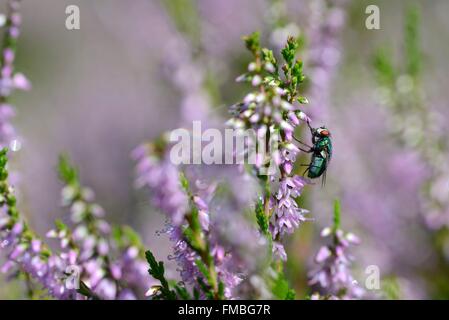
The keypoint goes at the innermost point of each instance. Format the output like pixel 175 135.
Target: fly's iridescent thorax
pixel 324 147
pixel 322 152
pixel 322 142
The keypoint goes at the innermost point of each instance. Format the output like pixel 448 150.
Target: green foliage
pixel 268 56
pixel 87 292
pixel 384 68
pixel 184 182
pixel 203 269
pixel 185 15
pixel 197 240
pixel 125 236
pixel 412 42
pixel 337 214
pixel 182 292
pixel 60 226
pixel 281 289
pixel 293 69
pixel 6 192
pixel 252 42
pixel 267 67
pixel 157 271
pixel 412 56
pixel 8 42
pixel 67 172
pixel 262 219
pixel 3 162
pixel 289 51
pixel 391 288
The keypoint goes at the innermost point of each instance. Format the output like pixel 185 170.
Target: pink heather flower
pixel 279 251
pixel 287 214
pixel 333 275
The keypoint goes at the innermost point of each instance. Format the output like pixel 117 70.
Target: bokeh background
pixel 122 79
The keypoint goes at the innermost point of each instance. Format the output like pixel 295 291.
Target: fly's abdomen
pixel 317 167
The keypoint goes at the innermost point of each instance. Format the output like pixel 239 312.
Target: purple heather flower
pixel 162 177
pixel 287 214
pixel 327 20
pixel 333 275
pixel 279 251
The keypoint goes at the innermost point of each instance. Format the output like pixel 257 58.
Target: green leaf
pixel 262 219
pixel 268 56
pixel 289 51
pixel 337 214
pixel 157 271
pixel 60 226
pixel 384 67
pixel 203 269
pixel 280 287
pixel 3 152
pixel 252 42
pixel 412 42
pixel 156 268
pixel 182 292
pixel 303 100
pixel 86 291
pixel 67 173
pixel 196 294
pixel 291 295
pixel 221 288
pixel 184 182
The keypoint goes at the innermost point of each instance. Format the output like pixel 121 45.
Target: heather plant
pixel 271 112
pixel 324 31
pixel 10 80
pixel 214 234
pixel 332 275
pixel 209 267
pixel 416 126
pixel 414 123
pixel 92 261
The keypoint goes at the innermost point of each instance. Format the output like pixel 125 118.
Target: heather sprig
pixel 327 19
pixel 273 111
pixel 196 238
pixel 90 262
pixel 332 276
pixel 111 258
pixel 203 261
pixel 26 251
pixel 157 271
pixel 9 78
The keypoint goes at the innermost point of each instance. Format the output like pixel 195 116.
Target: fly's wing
pixel 327 161
pixel 323 180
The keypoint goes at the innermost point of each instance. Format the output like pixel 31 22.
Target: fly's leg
pixel 310 127
pixel 305 171
pixel 304 144
pixel 306 151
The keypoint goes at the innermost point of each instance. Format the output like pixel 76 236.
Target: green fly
pixel 321 152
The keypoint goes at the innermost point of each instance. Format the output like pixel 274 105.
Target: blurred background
pixel 134 69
